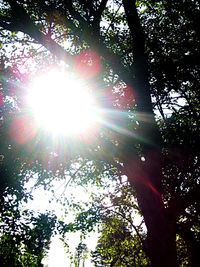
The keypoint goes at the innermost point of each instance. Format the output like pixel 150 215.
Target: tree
pixel 24 237
pixel 117 247
pixel 80 255
pixel 134 67
pixel 122 236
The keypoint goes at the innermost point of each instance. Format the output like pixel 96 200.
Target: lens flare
pixel 62 104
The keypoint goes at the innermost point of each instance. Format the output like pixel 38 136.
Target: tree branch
pixel 24 24
pixel 101 8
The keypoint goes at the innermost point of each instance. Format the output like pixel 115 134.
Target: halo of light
pixel 62 104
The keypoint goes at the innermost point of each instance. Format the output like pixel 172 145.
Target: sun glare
pixel 62 104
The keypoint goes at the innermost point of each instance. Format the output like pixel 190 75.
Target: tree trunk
pixel 145 174
pixel 160 245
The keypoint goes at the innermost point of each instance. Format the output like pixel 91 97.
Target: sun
pixel 62 104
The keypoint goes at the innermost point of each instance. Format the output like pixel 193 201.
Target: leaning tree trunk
pixel 145 174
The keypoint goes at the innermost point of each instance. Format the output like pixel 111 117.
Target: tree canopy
pixel 140 61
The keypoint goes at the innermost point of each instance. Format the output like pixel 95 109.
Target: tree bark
pixel 160 243
pixel 146 175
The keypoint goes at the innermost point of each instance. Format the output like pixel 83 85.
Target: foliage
pixel 24 237
pixel 117 246
pixel 80 254
pixel 130 71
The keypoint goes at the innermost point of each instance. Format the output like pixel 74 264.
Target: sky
pixel 57 255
